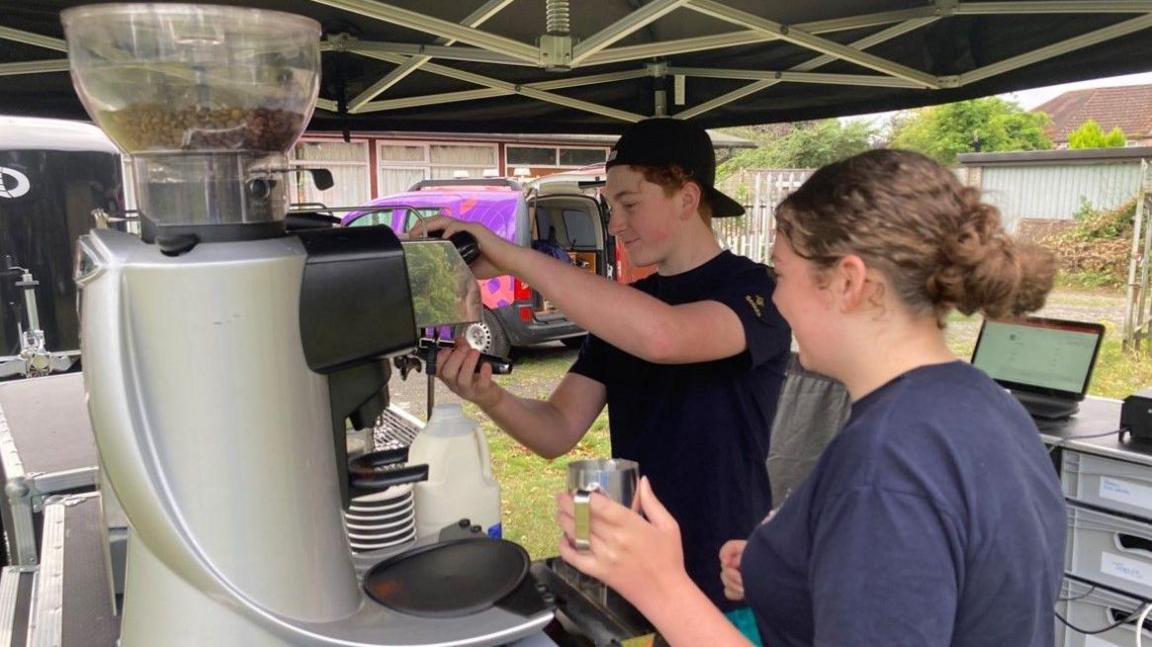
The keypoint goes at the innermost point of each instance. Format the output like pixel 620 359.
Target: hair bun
pixel 984 270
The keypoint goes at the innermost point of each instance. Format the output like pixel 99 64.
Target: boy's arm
pixel 549 427
pixel 634 322
pixel 628 319
pixel 552 427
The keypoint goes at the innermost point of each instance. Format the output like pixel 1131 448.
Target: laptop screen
pixel 1051 357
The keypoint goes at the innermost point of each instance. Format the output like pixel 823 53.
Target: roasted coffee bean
pixel 151 127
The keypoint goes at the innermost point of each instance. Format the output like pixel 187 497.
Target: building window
pixel 402 164
pixel 530 156
pixel 348 162
pixel 582 156
pixel 553 156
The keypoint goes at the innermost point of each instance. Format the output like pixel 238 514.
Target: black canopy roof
pixel 471 65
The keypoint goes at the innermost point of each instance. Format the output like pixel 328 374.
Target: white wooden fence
pixel 759 190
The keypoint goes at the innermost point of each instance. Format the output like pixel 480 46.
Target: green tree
pixel 977 125
pixel 1091 135
pixel 809 144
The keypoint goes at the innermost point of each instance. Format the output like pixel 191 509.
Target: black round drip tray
pixel 448 579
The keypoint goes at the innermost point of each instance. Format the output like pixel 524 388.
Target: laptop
pixel 1046 363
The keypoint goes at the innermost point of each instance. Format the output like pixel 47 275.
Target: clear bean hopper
pixel 206 100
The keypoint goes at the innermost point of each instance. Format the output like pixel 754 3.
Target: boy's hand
pixel 496 254
pixel 456 368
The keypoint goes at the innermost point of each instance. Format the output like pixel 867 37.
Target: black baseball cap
pixel 665 142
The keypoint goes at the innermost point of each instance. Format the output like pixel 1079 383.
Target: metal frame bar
pixel 34 67
pixel 45 623
pixel 752 88
pixel 488 93
pixel 19 532
pixel 474 54
pixel 638 19
pixel 795 77
pixel 1051 7
pixel 436 26
pixel 474 19
pixel 698 43
pixel 813 42
pixel 1137 315
pixel 1057 49
pixel 29 38
pixel 9 598
pixel 528 90
pixel 749 37
pixel 45 484
pixel 431 100
pixel 10 459
pixel 869 20
pixel 680 46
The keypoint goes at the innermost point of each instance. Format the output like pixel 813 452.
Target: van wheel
pixel 574 342
pixel 488 336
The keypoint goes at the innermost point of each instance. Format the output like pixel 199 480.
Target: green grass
pixel 529 483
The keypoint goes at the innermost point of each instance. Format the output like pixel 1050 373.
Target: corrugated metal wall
pixel 1057 191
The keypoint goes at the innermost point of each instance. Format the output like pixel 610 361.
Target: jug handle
pixel 485 455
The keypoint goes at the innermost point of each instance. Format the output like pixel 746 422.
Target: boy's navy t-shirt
pixel 934 518
pixel 700 431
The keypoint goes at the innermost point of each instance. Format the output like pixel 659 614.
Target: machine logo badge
pixel 13 183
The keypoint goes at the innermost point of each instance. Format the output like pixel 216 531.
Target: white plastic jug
pixel 460 484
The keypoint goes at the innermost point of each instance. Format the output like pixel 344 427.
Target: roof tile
pixel 1129 107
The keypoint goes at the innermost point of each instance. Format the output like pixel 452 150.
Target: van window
pixel 414 215
pixel 580 227
pixel 383 217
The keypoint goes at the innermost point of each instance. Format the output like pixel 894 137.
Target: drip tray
pixel 528 599
pixel 448 579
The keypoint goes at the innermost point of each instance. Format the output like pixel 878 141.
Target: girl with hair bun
pixel 935 517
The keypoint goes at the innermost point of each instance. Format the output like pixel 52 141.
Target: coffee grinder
pixel 224 355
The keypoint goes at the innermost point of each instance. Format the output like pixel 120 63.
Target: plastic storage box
pixel 1092 607
pixel 1109 549
pixel 1107 483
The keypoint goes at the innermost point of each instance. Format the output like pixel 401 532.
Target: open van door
pixel 588 181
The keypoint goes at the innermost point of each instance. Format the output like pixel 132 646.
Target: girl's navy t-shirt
pixel 934 518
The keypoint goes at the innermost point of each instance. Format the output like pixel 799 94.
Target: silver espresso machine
pixel 224 355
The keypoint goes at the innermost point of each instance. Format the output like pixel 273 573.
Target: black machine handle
pixel 500 365
pixel 464 242
pixel 384 478
pixel 367 463
pixel 381 470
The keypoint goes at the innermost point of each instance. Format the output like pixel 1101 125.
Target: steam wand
pixel 430 353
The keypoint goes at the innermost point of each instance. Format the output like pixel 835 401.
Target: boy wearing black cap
pixel 689 360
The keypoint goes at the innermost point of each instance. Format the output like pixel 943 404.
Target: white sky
pixel 1029 99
